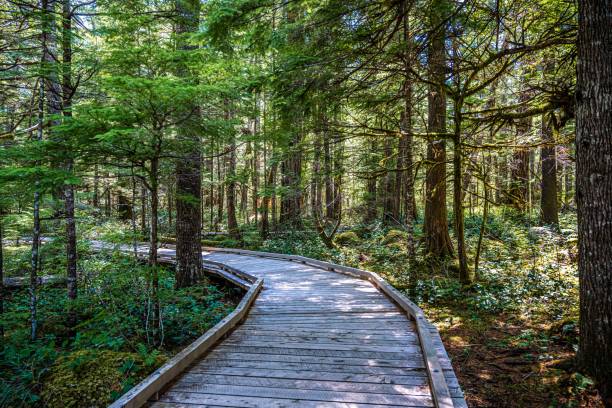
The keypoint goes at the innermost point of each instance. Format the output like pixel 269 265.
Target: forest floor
pixel 512 335
pixel 114 347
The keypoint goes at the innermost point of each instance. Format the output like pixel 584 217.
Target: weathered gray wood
pixel 255 402
pixel 199 392
pixel 23 281
pixel 440 390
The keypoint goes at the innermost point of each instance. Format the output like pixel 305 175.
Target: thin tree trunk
pixel 315 184
pixel 232 222
pixel 35 258
pixel 153 239
pixel 548 157
pixel 371 185
pixel 143 210
pixel 255 171
pixel 96 197
pixel 220 193
pixel 327 171
pixel 67 92
pixel 594 190
pixel 265 222
pixel 407 137
pixel 389 185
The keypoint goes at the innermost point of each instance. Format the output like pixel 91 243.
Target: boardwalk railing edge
pixel 439 387
pixel 156 381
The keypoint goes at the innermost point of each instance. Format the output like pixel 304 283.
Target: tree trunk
pixel 548 158
pixel 371 184
pixel 389 184
pixel 519 165
pixel 153 239
pixel 143 210
pixel 265 222
pixel 594 190
pixel 67 92
pixel 1 282
pixel 96 197
pixel 337 175
pixel 291 200
pixel 232 223
pixel 327 171
pixel 437 239
pixel 406 141
pixel 188 167
pixel 35 258
pixel 255 169
pixel 315 183
pixel 220 193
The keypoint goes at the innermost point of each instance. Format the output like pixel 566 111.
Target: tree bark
pixel 327 171
pixel 594 190
pixel 315 183
pixel 1 281
pixel 548 158
pixel 188 167
pixel 269 187
pixel 67 93
pixel 232 222
pixel 437 238
pixel 371 184
pixel 389 184
pixel 153 239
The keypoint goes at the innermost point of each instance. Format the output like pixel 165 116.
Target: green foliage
pixel 395 237
pixel 113 305
pixel 95 378
pixel 347 238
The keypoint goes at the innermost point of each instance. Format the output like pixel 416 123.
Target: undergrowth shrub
pixel 347 238
pixel 95 378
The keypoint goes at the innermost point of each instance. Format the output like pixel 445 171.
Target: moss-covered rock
pixel 347 238
pixel 395 236
pixel 94 378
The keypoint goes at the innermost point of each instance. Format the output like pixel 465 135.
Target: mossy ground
pixel 95 378
pixel 113 347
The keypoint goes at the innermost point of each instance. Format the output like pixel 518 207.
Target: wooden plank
pixel 333 334
pixel 198 392
pixel 190 400
pixel 322 353
pixel 138 395
pixel 24 281
pixel 408 349
pixel 315 384
pixel 218 365
pixel 309 380
pixel 195 375
pixel 229 354
pixel 318 339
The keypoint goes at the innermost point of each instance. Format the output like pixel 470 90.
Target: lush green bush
pixel 395 236
pixel 347 238
pixel 114 317
pixel 95 378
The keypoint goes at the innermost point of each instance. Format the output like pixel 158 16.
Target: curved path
pixel 313 338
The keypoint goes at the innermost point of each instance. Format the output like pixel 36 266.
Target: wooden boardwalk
pixel 313 338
